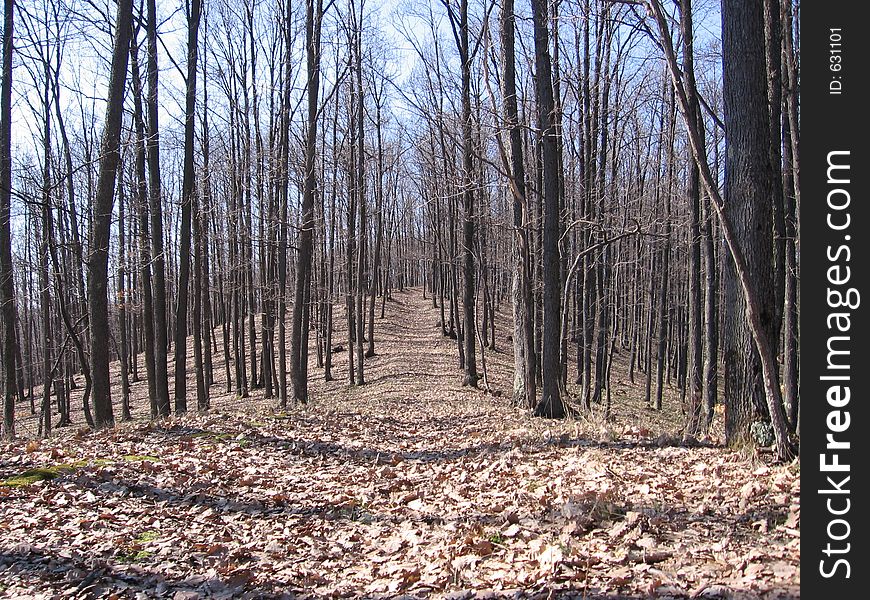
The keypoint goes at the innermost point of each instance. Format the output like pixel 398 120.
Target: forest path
pixel 413 397
pixel 409 486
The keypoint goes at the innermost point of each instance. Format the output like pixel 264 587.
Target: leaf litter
pixel 410 486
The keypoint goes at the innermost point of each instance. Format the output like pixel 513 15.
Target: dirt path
pixel 408 486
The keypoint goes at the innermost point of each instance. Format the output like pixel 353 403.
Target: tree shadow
pixel 454 424
pixel 97 578
pixel 38 569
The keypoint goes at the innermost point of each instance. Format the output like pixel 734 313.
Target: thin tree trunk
pixel 122 306
pixel 693 193
pixel 360 191
pixel 144 242
pixel 187 192
pixel 155 200
pixel 7 286
pixel 299 353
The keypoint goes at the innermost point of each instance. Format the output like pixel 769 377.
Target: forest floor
pixel 409 486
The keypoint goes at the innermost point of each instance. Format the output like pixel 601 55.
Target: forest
pixel 385 298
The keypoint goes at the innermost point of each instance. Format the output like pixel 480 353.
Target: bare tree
pixel 187 191
pixel 7 286
pixel 550 403
pixel 298 353
pixel 102 218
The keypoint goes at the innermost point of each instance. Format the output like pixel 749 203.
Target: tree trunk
pixel 98 302
pixel 693 193
pixel 123 353
pixel 148 312
pixel 550 404
pixel 525 392
pixel 7 286
pixel 748 189
pixel 360 191
pixel 753 302
pixel 187 191
pixel 299 352
pixel 155 200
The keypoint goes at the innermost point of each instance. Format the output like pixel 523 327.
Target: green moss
pixel 100 462
pixel 32 476
pixel 147 536
pixel 212 435
pixel 496 538
pixel 134 555
pixel 139 458
pixel 133 551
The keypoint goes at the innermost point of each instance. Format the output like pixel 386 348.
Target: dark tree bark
pixel 360 191
pixel 7 286
pixel 748 189
pixel 283 200
pixel 141 195
pixel 664 264
pixel 298 353
pixel 525 389
pixel 693 196
pixel 379 235
pixel 773 60
pixel 45 289
pixel 155 200
pixel 550 404
pixel 123 352
pixel 468 224
pixel 459 25
pixel 711 318
pixel 187 191
pixel 205 207
pixel 98 303
pixel 755 315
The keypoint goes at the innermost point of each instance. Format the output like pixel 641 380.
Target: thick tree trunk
pixel 550 404
pixel 748 189
pixel 753 299
pixel 98 261
pixel 525 392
